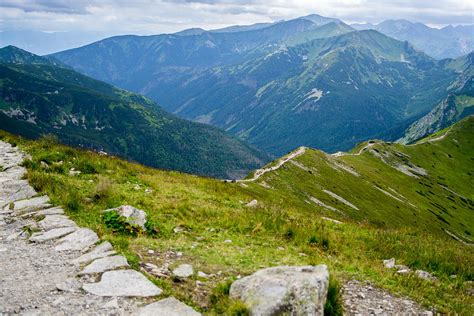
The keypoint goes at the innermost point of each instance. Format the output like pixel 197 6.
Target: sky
pixel 145 17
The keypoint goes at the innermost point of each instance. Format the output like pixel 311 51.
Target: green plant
pixel 333 305
pixel 119 224
pixel 238 308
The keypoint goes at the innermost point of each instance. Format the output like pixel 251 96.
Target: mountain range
pixel 39 96
pixel 447 42
pixel 310 81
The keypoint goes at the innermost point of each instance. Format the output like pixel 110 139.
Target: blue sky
pixel 160 16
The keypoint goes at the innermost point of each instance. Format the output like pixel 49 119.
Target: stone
pixel 183 271
pixel 252 203
pixel 133 215
pixel 51 234
pixel 69 285
pixel 389 263
pixel 51 211
pixel 202 275
pixel 79 240
pixel 38 201
pixel 123 283
pixel 169 307
pixel 228 241
pixel 105 264
pixel 55 221
pixel 13 190
pixel 105 249
pixel 425 275
pixel 295 290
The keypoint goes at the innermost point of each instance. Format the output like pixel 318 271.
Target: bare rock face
pixel 133 215
pixel 169 307
pixel 123 283
pixel 293 290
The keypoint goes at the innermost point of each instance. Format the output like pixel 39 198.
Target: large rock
pixel 81 239
pixel 293 290
pixel 133 215
pixel 168 307
pixel 105 264
pixel 123 283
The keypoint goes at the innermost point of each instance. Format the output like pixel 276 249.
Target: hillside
pixel 458 104
pixel 349 211
pixel 42 98
pixel 310 81
pixel 447 42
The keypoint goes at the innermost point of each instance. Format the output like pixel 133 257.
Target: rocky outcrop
pixel 294 290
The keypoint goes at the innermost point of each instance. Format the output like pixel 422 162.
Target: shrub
pixel 104 189
pixel 289 233
pixel 238 308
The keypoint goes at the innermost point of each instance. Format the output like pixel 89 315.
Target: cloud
pixel 160 16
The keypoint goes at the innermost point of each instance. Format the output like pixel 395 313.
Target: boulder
pixel 133 215
pixel 389 263
pixel 293 290
pixel 183 271
pixel 123 283
pixel 169 307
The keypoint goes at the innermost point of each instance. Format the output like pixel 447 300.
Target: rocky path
pixel 49 265
pixel 260 172
pixel 361 298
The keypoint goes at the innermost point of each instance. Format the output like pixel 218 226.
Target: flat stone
pixel 105 264
pixel 169 307
pixel 112 304
pixel 133 215
pixel 69 285
pixel 105 249
pixel 123 283
pixel 183 271
pixel 31 203
pixel 52 234
pixel 12 190
pixel 55 221
pixel 295 290
pixel 51 211
pixel 81 239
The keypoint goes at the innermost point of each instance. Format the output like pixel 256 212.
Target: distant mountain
pixel 310 81
pixel 458 104
pixel 42 98
pixel 14 55
pixel 448 42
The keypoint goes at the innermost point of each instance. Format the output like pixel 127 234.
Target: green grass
pixel 211 211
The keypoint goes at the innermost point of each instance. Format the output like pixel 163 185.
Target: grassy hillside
pixel 398 215
pixel 37 99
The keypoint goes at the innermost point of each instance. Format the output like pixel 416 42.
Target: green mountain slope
pixel 413 203
pixel 458 104
pixel 310 81
pixel 41 99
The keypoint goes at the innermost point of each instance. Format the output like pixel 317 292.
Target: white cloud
pixel 159 16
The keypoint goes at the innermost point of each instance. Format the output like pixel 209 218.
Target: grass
pixel 284 229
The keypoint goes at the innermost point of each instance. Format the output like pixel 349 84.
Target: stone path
pixel 60 268
pixel 361 298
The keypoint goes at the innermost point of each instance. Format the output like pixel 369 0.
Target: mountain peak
pixel 13 55
pixel 318 19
